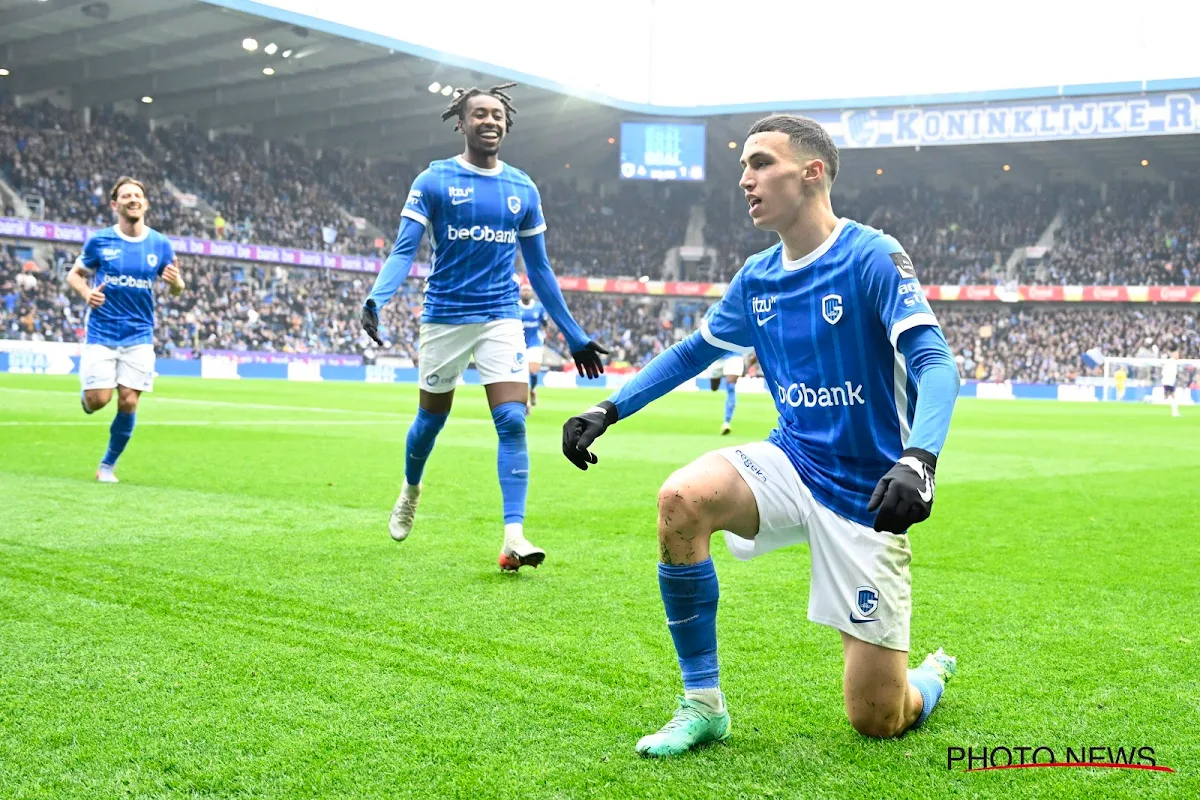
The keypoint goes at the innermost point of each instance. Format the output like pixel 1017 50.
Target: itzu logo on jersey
pixel 761 306
pixel 798 395
pixel 129 281
pixel 459 196
pixel 481 233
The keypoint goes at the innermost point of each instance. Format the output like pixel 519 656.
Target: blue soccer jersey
pixel 824 329
pixel 532 318
pixel 127 268
pixel 473 217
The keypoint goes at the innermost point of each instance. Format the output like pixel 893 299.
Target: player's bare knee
pixel 681 505
pixel 877 723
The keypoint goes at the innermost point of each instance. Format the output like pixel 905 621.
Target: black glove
pixel 580 431
pixel 588 362
pixel 904 496
pixel 370 322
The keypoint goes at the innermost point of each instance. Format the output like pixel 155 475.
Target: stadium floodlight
pixel 286 54
pixel 1006 167
pixel 3 72
pixel 435 87
pixel 879 171
pixel 733 145
pixel 250 44
pixel 447 90
pixel 147 99
pixel 268 71
pixel 1145 162
pixel 271 49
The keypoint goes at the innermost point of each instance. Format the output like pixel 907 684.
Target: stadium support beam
pixel 378 108
pixel 29 11
pixel 263 89
pixel 36 50
pixel 133 62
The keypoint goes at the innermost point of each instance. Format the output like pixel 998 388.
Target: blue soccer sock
pixel 930 687
pixel 533 380
pixel 690 594
pixel 730 398
pixel 512 459
pixel 419 444
pixel 118 436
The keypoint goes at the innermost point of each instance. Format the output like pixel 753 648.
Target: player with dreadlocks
pixel 476 209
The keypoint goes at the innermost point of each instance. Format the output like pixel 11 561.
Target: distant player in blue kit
pixel 725 372
pixel 115 276
pixel 476 209
pixel 864 384
pixel 533 319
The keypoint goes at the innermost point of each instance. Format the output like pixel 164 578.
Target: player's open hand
pixel 95 297
pixel 370 322
pixel 580 431
pixel 587 360
pixel 904 496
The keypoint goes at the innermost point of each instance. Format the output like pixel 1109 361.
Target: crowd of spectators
pixel 1045 344
pixel 234 307
pixel 278 193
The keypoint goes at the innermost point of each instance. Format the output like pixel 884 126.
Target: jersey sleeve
pixel 168 255
pixel 88 260
pixel 532 221
pixel 892 287
pixel 422 199
pixel 725 326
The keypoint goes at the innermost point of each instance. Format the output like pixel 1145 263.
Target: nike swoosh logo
pixel 458 201
pixel 682 621
pixel 860 621
pixel 927 494
pixel 520 472
pixel 762 321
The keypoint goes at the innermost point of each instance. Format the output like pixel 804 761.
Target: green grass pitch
pixel 232 620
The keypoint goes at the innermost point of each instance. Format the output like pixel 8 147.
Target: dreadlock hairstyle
pixel 458 106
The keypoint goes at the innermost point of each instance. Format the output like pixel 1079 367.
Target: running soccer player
pixel 115 276
pixel 1170 374
pixel 726 371
pixel 475 209
pixel 864 384
pixel 533 317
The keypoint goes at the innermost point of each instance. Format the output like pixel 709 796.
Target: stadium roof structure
pixel 187 58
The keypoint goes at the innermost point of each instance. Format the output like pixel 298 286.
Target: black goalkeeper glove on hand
pixel 904 496
pixel 580 431
pixel 587 360
pixel 370 322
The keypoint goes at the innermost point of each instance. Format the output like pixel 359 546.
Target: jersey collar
pixel 804 261
pixel 142 238
pixel 469 167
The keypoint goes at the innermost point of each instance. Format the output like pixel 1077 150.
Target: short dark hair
pixel 804 134
pixel 458 106
pixel 121 181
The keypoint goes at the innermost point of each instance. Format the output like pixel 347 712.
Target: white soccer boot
pixel 401 522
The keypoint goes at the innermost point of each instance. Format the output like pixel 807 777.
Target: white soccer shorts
pixel 861 582
pixel 103 367
pixel 731 367
pixel 533 355
pixel 445 351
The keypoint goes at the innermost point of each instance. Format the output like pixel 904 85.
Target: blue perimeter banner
pixel 1156 114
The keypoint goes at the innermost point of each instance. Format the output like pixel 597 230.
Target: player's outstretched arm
pixel 904 496
pixel 541 277
pixel 670 368
pixel 394 271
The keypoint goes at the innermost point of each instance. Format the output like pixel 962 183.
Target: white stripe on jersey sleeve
pixel 721 343
pixel 908 323
pixel 533 231
pixel 900 390
pixel 415 215
pixel 82 267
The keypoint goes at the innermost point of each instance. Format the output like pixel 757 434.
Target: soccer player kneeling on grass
pixel 864 384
